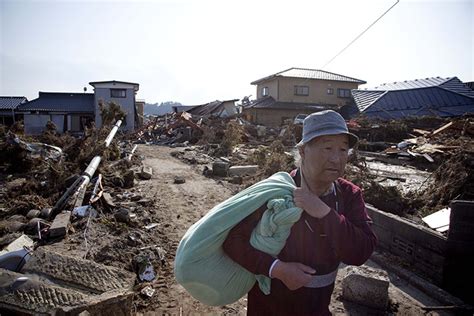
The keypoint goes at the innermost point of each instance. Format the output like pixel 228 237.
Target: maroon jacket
pixel 343 235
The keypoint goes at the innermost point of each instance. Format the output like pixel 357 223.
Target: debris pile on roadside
pixel 443 147
pixel 183 129
pixel 437 152
pixel 44 198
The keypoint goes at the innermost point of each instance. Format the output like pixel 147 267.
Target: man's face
pixel 324 158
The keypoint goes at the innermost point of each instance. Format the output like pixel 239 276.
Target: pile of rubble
pixel 227 147
pixel 443 147
pixel 43 196
pixel 182 129
pixel 438 146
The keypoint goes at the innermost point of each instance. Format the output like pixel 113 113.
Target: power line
pixel 355 39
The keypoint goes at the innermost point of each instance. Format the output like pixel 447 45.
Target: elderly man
pixel 333 228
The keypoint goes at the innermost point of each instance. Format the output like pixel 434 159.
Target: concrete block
pixel 31 295
pixel 82 274
pixel 33 213
pixel 220 168
pixel 146 173
pixel 366 286
pixel 179 180
pixel 242 170
pixel 18 244
pixel 59 226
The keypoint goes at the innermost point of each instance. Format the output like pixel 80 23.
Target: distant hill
pixel 160 109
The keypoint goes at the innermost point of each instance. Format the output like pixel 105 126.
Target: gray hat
pixel 325 123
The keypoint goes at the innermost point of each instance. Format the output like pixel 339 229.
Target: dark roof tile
pixel 60 102
pixel 11 103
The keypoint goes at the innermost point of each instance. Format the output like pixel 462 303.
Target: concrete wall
pixel 127 104
pixel 448 262
pixel 422 247
pixel 458 276
pixel 272 89
pixel 283 89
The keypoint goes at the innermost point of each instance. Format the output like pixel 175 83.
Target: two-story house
pixel 72 111
pixel 284 95
pixel 122 93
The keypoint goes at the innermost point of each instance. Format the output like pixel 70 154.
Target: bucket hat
pixel 326 122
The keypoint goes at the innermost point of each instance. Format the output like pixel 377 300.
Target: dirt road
pixel 177 207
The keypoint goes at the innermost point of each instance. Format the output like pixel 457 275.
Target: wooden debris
pixel 442 128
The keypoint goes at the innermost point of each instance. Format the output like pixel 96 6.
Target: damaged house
pixel 216 108
pixel 71 112
pixel 285 94
pixel 443 97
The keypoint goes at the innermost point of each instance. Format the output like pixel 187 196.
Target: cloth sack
pixel 202 267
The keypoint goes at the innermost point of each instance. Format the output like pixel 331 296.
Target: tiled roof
pixel 364 98
pixel 11 103
pixel 309 74
pixel 269 102
pixel 417 97
pixel 414 102
pixel 412 84
pixel 60 102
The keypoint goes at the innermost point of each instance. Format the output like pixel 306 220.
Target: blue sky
pixel 199 51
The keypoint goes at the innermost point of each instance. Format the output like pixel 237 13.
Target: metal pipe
pixel 85 178
pixel 109 138
pixel 92 167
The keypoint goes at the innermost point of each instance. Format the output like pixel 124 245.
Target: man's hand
pixel 310 202
pixel 293 274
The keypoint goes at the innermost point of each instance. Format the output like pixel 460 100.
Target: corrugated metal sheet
pixel 310 74
pixel 412 84
pixel 60 102
pixel 11 103
pixel 420 102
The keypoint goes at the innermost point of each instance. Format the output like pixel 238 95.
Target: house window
pixel 344 93
pixel 330 91
pixel 118 93
pixel 264 91
pixel 301 90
